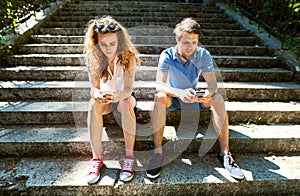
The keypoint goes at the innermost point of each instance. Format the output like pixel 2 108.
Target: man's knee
pixel 217 99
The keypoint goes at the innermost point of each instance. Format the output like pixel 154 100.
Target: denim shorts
pixel 177 104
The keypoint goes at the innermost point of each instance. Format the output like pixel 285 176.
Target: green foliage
pixel 251 122
pixel 280 18
pixel 13 12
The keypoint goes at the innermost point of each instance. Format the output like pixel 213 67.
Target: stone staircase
pixel 44 91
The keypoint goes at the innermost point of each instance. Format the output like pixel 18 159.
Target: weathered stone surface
pixel 147 30
pixel 74 141
pixel 42 40
pixel 136 24
pixel 168 18
pixel 41 117
pixel 265 174
pixel 80 91
pixel 51 113
pixel 149 61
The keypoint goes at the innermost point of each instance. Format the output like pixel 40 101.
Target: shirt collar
pixel 175 56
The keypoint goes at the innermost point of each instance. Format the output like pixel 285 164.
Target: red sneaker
pixel 127 171
pixel 94 174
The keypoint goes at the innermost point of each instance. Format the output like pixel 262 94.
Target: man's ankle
pixel 223 152
pixel 158 151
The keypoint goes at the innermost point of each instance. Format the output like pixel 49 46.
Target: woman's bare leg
pixel 95 126
pixel 126 108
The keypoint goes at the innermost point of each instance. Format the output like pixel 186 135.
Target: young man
pixel 178 73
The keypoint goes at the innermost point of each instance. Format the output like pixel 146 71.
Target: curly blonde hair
pixel 95 59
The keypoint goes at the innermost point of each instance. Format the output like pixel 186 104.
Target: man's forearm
pixel 211 81
pixel 168 90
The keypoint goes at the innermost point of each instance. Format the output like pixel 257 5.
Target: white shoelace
pixel 95 166
pixel 230 160
pixel 128 165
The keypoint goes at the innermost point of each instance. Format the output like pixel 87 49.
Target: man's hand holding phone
pixel 200 95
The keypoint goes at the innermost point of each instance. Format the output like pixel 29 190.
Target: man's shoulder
pixel 168 53
pixel 169 50
pixel 202 50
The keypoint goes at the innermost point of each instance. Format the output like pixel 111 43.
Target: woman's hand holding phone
pixel 103 97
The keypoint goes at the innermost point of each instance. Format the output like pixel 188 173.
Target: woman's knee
pixel 100 108
pixel 160 98
pixel 127 104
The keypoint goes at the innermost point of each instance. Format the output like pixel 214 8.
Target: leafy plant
pixel 13 12
pixel 280 18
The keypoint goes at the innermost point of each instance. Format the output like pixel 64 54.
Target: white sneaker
pixel 230 165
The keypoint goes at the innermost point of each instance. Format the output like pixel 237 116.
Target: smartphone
pixel 200 93
pixel 108 92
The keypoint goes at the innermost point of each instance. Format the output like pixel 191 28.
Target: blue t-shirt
pixel 185 75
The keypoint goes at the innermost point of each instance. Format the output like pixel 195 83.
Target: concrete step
pixel 151 30
pixel 138 12
pixel 147 60
pixel 80 91
pixel 144 4
pixel 142 18
pixel 247 61
pixel 182 14
pixel 66 113
pixel 34 141
pixel 144 49
pixel 147 2
pixel 230 50
pixel 170 40
pixel 108 9
pixel 145 73
pixel 43 73
pixel 122 4
pixel 105 9
pixel 232 74
pixel 228 26
pixel 271 174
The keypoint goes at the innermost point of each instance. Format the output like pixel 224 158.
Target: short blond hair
pixel 188 25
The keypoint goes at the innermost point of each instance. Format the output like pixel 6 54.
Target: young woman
pixel 111 59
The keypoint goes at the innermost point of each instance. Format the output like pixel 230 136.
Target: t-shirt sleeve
pixel 164 61
pixel 207 64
